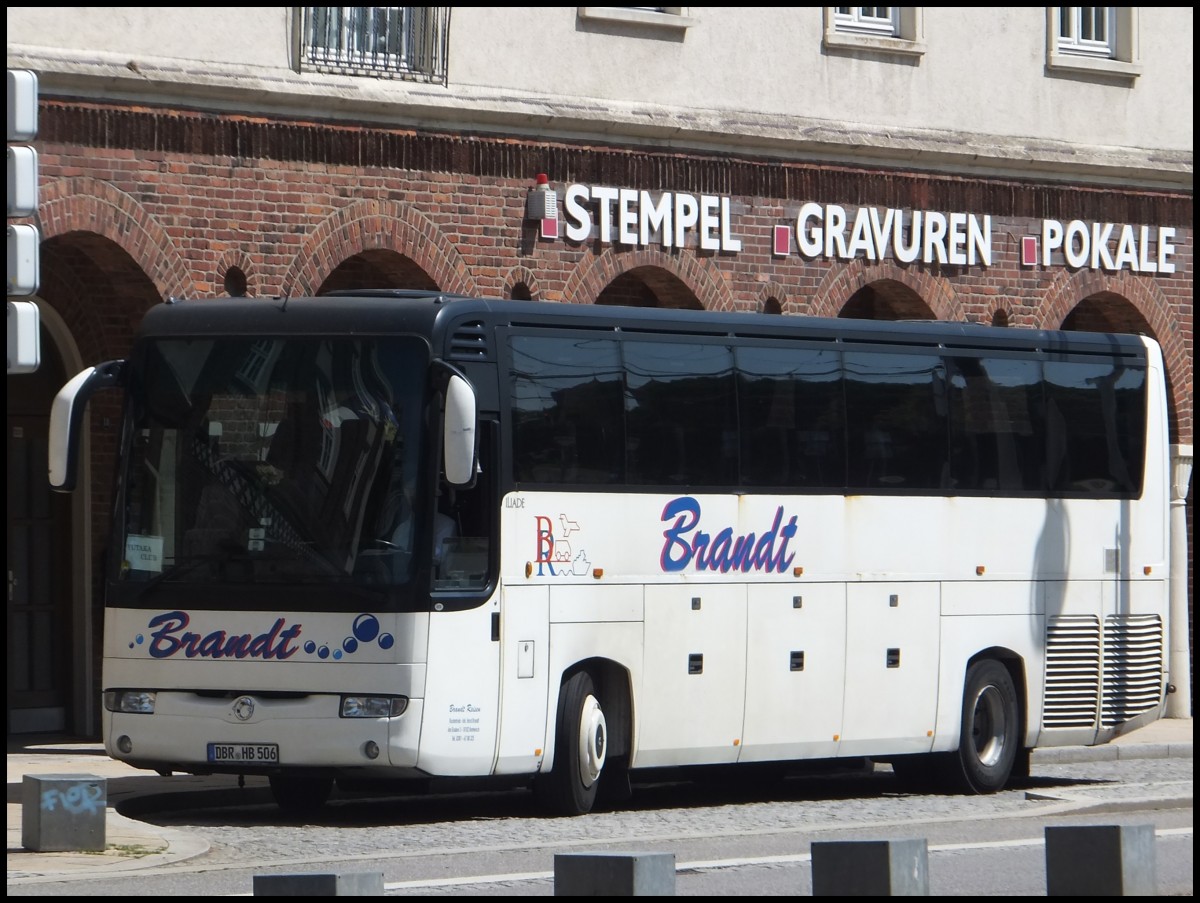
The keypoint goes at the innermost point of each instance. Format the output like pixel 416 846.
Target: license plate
pixel 250 753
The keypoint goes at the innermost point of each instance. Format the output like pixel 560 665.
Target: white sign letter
pixel 958 238
pixel 1127 249
pixel 686 214
pixel 1052 239
pixel 934 237
pixel 908 253
pixel 835 230
pixel 809 240
pixel 627 216
pixel 728 242
pixel 1165 249
pixel 1075 244
pixel 579 221
pixel 979 240
pixel 606 197
pixel 709 222
pixel 655 218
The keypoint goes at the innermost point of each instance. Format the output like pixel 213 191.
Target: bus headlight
pixel 134 702
pixel 373 706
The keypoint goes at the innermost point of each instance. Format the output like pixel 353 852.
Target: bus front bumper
pixel 260 734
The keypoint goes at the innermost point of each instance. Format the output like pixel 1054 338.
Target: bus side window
pixel 462 559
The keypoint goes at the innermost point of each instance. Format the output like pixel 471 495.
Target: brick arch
pixel 779 292
pixel 522 274
pixel 1069 288
pixel 235 257
pixel 90 205
pixel 843 280
pixel 370 225
pixel 701 276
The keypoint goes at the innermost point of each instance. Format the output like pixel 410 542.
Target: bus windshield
pixel 273 460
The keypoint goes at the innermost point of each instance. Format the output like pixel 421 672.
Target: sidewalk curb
pixel 1066 754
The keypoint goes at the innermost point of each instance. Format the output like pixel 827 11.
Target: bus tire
pixel 300 795
pixel 580 748
pixel 990 732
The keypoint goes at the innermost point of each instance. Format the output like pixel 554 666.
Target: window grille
pixel 386 41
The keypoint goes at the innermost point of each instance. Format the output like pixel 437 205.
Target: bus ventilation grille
pixel 1133 667
pixel 469 343
pixel 1072 671
pixel 1113 678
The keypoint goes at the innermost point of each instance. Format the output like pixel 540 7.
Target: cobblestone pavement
pixel 413 825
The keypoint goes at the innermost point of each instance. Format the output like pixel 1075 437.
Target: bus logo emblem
pixel 243 709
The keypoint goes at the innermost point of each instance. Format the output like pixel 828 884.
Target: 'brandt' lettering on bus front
pixel 168 640
pixel 724 551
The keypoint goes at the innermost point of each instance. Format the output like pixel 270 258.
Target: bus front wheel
pixel 990 734
pixel 580 749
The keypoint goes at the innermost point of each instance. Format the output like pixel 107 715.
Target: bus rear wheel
pixel 580 750
pixel 989 739
pixel 300 795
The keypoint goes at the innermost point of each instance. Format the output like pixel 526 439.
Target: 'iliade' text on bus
pixel 168 638
pixel 686 544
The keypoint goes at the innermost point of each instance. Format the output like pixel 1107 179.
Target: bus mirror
pixel 66 420
pixel 458 440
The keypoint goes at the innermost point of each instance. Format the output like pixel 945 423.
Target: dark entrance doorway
pixel 40 628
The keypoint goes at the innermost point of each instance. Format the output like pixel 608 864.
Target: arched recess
pixel 377 268
pixel 1091 301
pixel 774 299
pixel 655 279
pixel 521 284
pixel 649 287
pixel 884 291
pixel 237 274
pixel 388 241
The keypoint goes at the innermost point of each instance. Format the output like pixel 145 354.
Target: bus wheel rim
pixel 593 741
pixel 988 726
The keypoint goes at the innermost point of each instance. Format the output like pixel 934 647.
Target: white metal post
pixel 1179 703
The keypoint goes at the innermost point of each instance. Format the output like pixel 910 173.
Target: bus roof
pixel 432 313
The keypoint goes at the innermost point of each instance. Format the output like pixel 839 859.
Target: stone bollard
pixel 1100 861
pixel 614 875
pixel 870 868
pixel 63 813
pixel 336 884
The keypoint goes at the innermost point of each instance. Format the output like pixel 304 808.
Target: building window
pixel 388 41
pixel 1093 40
pixel 880 20
pixel 1087 29
pixel 889 30
pixel 665 18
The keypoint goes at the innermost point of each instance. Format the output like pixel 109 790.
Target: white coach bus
pixel 392 535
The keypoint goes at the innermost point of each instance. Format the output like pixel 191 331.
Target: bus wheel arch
pixel 592 741
pixel 991 744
